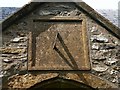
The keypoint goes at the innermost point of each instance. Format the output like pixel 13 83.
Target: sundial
pixel 59 43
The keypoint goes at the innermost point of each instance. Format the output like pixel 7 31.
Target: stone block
pixel 99 38
pixel 95 46
pixel 100 68
pixel 112 72
pixel 98 55
pixel 111 61
pixel 7 60
pixel 12 50
pixel 108 46
pixel 117 68
pixel 18 39
pixel 95 31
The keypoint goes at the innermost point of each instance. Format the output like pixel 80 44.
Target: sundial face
pixel 60 45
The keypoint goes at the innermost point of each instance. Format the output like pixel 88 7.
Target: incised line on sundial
pixel 73 65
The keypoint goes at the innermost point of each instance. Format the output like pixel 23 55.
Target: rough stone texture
pixel 12 50
pixel 105 48
pixel 104 53
pixel 28 80
pixel 100 68
pixel 14 55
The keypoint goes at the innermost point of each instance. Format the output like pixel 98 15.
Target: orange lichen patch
pixel 28 80
pixel 90 79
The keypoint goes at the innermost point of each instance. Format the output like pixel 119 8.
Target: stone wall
pixel 104 47
pixel 105 53
pixel 14 55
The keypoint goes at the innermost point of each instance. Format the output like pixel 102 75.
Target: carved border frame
pixel 63 18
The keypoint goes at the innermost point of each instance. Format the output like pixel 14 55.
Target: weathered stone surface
pixel 107 46
pixel 118 53
pixel 19 56
pixel 115 79
pixel 99 38
pixel 12 50
pixel 23 59
pixel 21 34
pixel 22 44
pixel 95 62
pixel 59 10
pixel 95 31
pixel 10 67
pixel 7 60
pixel 17 39
pixel 6 55
pixel 95 46
pixel 100 68
pixel 109 53
pixel 112 72
pixel 105 51
pixel 48 12
pixel 111 61
pixel 28 79
pixel 1 76
pixel 102 44
pixel 99 55
pixel 74 13
pixel 1 58
pixel 117 68
pixel 116 42
pixel 99 58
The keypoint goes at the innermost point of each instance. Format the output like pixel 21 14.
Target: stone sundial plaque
pixel 58 44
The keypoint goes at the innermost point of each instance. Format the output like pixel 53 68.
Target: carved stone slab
pixel 58 44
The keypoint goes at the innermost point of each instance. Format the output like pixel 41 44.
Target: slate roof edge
pixel 113 29
pixel 86 8
pixel 26 9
